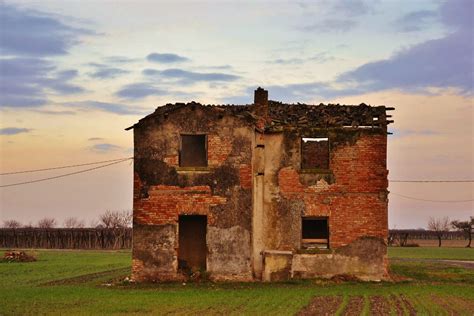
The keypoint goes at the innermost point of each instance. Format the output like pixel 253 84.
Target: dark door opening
pixel 192 242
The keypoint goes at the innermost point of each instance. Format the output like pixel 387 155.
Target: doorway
pixel 192 242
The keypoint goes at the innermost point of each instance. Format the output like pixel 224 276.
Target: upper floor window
pixel 315 153
pixel 193 151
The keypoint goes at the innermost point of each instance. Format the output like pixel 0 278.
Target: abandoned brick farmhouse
pixel 266 191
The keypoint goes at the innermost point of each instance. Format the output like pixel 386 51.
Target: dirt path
pixel 354 307
pixel 322 305
pixel 85 277
pixel 379 305
pixel 408 306
pixel 402 305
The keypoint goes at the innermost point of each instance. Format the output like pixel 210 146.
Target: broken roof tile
pixel 293 115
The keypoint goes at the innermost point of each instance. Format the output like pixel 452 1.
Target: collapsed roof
pixel 274 116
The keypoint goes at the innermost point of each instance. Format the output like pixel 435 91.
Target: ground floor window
pixel 315 232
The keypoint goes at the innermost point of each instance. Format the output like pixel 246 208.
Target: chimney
pixel 261 102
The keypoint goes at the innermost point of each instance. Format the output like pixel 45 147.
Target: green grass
pixel 431 253
pixel 433 272
pixel 71 282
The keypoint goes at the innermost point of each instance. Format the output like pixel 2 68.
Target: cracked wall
pixel 163 191
pixel 352 193
pixel 254 193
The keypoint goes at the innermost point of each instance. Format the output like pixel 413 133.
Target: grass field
pixel 431 253
pixel 78 282
pixel 445 243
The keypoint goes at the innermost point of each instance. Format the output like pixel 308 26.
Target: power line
pixel 119 160
pixel 63 175
pixel 426 200
pixel 63 167
pixel 432 181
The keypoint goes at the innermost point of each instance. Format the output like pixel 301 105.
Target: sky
pixel 74 74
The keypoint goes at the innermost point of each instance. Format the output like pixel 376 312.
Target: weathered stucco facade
pixel 267 191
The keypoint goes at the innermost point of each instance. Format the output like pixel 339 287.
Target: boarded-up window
pixel 193 151
pixel 314 153
pixel 315 232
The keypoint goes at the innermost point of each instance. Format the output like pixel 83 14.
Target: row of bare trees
pixel 439 228
pixel 109 219
pixel 442 225
pixel 123 219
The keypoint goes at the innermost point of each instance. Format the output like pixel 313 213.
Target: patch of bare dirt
pixel 355 306
pixel 18 256
pixel 322 305
pixel 379 305
pixel 408 306
pixel 460 263
pixel 397 302
pixel 340 278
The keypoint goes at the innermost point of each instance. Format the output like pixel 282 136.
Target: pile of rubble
pixel 296 114
pixel 18 256
pixel 331 115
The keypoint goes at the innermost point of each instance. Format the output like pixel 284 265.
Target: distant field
pixel 444 243
pixel 431 253
pixel 87 282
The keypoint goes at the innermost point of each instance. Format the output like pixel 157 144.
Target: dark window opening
pixel 315 232
pixel 193 152
pixel 314 153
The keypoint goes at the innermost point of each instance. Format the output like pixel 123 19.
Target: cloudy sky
pixel 74 74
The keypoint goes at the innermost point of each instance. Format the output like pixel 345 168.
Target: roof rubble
pixel 282 115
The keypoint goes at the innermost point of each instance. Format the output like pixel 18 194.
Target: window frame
pixel 307 243
pixel 181 150
pixel 321 170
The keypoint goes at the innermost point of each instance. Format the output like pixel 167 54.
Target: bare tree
pixel 107 219
pixel 47 222
pixel 467 227
pixel 118 222
pixel 116 219
pixel 73 222
pixel 440 226
pixel 11 223
pixel 127 219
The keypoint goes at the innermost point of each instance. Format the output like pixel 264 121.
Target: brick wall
pixel 163 191
pixel 314 154
pixel 245 175
pixel 165 203
pixel 352 194
pixel 218 149
pixel 355 202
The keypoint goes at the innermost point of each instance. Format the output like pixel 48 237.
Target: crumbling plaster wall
pixel 363 258
pixel 353 193
pixel 163 191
